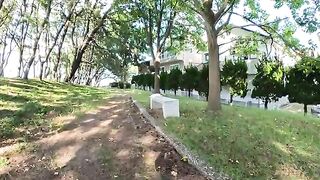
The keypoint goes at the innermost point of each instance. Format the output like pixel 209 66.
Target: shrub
pixel 303 82
pixel 114 84
pixel 189 79
pixel 203 82
pixel 164 81
pixel 128 86
pixel 269 82
pixel 174 79
pixel 234 76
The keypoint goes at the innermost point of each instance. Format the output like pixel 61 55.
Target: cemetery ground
pixel 60 131
pixel 247 142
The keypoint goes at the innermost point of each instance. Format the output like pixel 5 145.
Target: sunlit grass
pixel 248 142
pixel 26 105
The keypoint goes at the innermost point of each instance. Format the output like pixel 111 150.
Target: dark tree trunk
pixel 189 92
pixel 231 99
pixel 175 92
pixel 266 104
pixel 156 75
pixel 41 70
pixel 305 109
pixel 75 65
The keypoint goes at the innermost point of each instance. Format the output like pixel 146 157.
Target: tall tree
pixel 157 18
pixel 47 6
pixel 89 34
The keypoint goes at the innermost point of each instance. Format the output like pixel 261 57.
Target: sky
pixel 11 70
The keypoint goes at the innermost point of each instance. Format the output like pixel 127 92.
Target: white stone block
pixel 169 106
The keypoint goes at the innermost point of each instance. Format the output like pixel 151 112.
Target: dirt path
pixel 112 142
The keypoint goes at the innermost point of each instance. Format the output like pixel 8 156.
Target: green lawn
pixel 248 142
pixel 28 105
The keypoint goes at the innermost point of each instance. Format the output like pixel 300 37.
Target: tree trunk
pixel 156 75
pixel 41 70
pixel 189 92
pixel 75 65
pixel 266 104
pixel 56 65
pixel 20 62
pixel 231 99
pixel 175 92
pixel 305 109
pixel 36 41
pixel 214 70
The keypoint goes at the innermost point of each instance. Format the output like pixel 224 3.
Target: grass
pixel 27 105
pixel 248 143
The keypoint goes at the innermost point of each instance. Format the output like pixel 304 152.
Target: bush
pixel 269 82
pixel 203 82
pixel 164 81
pixel 121 85
pixel 303 82
pixel 234 76
pixel 128 86
pixel 114 84
pixel 189 79
pixel 174 79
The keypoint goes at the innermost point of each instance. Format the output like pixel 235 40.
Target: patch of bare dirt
pixel 112 142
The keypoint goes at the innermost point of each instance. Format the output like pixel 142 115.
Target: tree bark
pixel 266 104
pixel 231 99
pixel 156 76
pixel 214 69
pixel 305 109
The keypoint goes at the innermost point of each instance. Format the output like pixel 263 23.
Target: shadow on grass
pixel 34 101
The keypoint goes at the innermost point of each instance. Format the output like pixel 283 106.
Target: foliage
pixel 164 81
pixel 234 76
pixel 149 80
pixel 174 79
pixel 203 81
pixel 269 81
pixel 248 143
pixel 189 79
pixel 303 82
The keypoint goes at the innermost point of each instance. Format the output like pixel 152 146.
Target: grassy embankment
pixel 27 107
pixel 248 142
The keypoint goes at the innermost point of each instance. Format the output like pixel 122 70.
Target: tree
pixel 89 33
pixel 149 80
pixel 269 81
pixel 164 27
pixel 234 76
pixel 47 6
pixel 164 81
pixel 174 80
pixel 203 82
pixel 216 17
pixel 189 79
pixel 303 82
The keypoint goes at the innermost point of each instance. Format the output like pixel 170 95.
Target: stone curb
pixel 194 160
